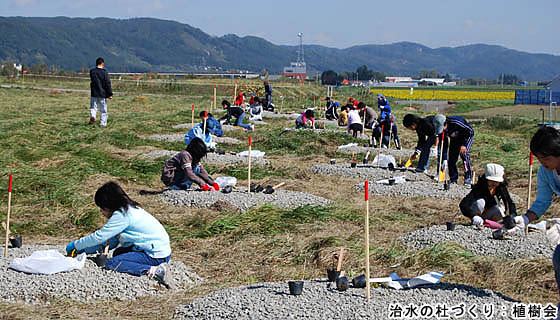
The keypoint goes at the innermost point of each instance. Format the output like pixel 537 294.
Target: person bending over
pixel 354 122
pixel 238 113
pixel 302 119
pixel 426 132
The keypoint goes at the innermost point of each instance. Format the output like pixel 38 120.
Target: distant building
pixel 297 70
pixel 398 79
pixel 436 81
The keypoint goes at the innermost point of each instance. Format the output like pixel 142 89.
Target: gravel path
pixel 480 242
pixel 320 131
pixel 365 172
pixel 225 127
pixel 273 301
pixel 404 153
pixel 417 189
pixel 89 283
pixel 268 114
pixel 176 137
pixel 241 199
pixel 214 158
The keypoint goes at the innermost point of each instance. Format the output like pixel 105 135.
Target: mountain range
pixel 154 45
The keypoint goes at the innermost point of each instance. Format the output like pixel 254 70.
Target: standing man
pixel 100 91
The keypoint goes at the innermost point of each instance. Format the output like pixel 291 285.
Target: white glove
pixel 521 223
pixel 477 221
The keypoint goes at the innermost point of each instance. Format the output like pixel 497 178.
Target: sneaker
pixel 91 120
pixel 468 181
pixel 158 274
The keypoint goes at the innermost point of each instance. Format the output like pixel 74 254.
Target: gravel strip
pixel 319 131
pixel 89 283
pixel 365 172
pixel 404 153
pixel 273 301
pixel 480 242
pixel 240 199
pixel 225 127
pixel 212 157
pixel 268 114
pixel 176 137
pixel 417 189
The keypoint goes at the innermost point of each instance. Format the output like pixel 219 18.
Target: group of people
pixel 256 104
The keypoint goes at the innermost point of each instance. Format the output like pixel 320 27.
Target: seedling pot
pixel 100 260
pixel 296 287
pixel 220 152
pixel 450 226
pixel 364 161
pixel 342 284
pixel 359 281
pixel 446 186
pixel 16 242
pixel 353 165
pixel 252 187
pixel 498 234
pixel 333 161
pixel 259 188
pixel 268 190
pixel 509 223
pixel 332 274
pixel 391 182
pixel 227 189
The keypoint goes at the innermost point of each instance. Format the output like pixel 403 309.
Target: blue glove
pixel 70 247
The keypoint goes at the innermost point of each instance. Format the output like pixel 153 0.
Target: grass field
pixel 58 162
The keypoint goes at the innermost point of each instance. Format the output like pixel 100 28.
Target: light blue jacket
pixel 196 132
pixel 136 228
pixel 546 185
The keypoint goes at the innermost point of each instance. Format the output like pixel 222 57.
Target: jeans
pixel 424 161
pixel 493 213
pixel 181 181
pixel 239 122
pixel 556 264
pixel 454 148
pixel 133 262
pixel 102 102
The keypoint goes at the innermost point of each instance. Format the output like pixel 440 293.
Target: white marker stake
pixel 204 126
pixel 192 117
pixel 530 180
pixel 235 92
pixel 214 105
pixel 8 217
pixel 249 169
pixel 367 240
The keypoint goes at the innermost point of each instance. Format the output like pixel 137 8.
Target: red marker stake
pixel 530 180
pixel 192 117
pixel 249 169
pixel 204 127
pixel 367 240
pixel 8 217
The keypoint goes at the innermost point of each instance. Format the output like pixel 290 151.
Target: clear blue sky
pixel 517 24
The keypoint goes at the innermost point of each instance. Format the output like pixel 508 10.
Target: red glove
pixel 205 188
pixel 216 186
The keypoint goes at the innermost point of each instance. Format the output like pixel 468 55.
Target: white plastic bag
pixel 383 160
pixel 47 262
pixel 226 181
pixel 254 154
pixel 350 145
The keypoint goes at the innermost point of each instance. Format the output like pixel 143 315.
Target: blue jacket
pixel 135 227
pixel 546 185
pixel 196 132
pixel 383 106
pixel 214 126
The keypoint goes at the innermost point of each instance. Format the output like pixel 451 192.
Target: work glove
pixel 414 156
pixel 216 186
pixel 521 223
pixel 70 247
pixel 477 221
pixel 205 188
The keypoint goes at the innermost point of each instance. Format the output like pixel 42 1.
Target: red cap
pixel 214 86
pixel 531 159
pixel 24 71
pixel 10 187
pixel 249 141
pixel 193 107
pixel 205 114
pixel 367 190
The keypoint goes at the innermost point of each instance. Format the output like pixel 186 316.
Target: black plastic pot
pixel 259 188
pixel 100 260
pixel 227 189
pixel 221 152
pixel 252 187
pixel 364 161
pixel 446 186
pixel 450 226
pixel 342 284
pixel 498 234
pixel 332 274
pixel 296 287
pixel 359 281
pixel 268 190
pixel 391 182
pixel 333 161
pixel 16 242
pixel 353 165
pixel 509 222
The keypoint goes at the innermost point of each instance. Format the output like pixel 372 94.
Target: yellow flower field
pixel 404 94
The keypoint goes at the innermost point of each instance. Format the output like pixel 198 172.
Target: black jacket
pixel 232 111
pixel 480 191
pixel 425 128
pixel 100 83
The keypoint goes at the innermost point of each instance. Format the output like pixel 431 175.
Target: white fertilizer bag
pixel 47 262
pixel 226 181
pixel 254 154
pixel 383 160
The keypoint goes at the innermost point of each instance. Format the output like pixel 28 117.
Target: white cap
pixel 494 172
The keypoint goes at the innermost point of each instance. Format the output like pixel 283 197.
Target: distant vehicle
pixel 523 83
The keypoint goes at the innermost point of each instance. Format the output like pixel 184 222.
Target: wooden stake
pixel 340 254
pixel 279 185
pixel 282 104
pixel 8 217
pixel 367 240
pixel 364 123
pixel 441 156
pixel 214 105
pixel 235 92
pixel 391 132
pixel 379 147
pixel 106 250
pixel 192 117
pixel 530 180
pixel 249 169
pixel 204 126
